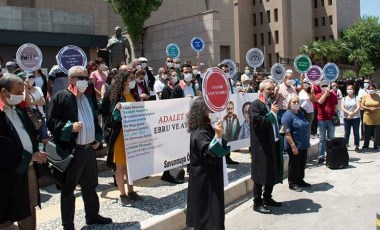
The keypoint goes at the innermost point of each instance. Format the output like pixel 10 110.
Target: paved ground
pixel 339 199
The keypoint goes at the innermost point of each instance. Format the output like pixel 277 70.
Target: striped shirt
pixel 85 115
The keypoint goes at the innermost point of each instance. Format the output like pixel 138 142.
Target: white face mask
pixel 187 77
pixel 169 64
pixel 102 67
pixel 246 71
pixel 294 107
pixel 371 91
pixel 132 84
pixel 174 80
pixel 164 76
pixel 138 80
pixel 196 86
pixel 238 87
pixel 15 99
pixel 195 72
pixel 177 66
pixel 290 82
pixel 138 67
pixel 31 81
pixel 227 75
pixel 333 87
pixel 306 86
pixel 350 92
pixel 143 65
pixel 366 85
pixel 81 85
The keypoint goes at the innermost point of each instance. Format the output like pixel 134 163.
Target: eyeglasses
pixel 81 78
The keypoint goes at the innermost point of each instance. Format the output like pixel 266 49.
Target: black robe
pixel 266 163
pixel 205 198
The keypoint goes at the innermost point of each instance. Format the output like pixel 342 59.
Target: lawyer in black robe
pixel 205 200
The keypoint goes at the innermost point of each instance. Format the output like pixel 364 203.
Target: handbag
pixel 57 164
pixel 335 120
pixel 35 117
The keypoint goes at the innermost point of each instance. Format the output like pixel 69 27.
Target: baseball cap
pixel 142 59
pixel 10 63
pixel 289 71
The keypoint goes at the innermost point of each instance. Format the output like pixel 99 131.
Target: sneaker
pixel 321 160
pixel 134 196
pixel 357 149
pixel 124 201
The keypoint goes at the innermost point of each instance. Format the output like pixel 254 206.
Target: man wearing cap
pixel 71 118
pixel 117 45
pixel 282 92
pixel 149 77
pixel 326 109
pixel 11 67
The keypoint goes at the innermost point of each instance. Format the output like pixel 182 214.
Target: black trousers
pixel 297 165
pixel 258 192
pixel 314 124
pixel 83 171
pixel 369 131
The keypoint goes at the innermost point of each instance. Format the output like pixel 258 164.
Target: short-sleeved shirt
pixel 327 109
pixel 36 96
pixel 284 91
pixel 59 79
pixel 298 127
pixel 317 89
pixel 350 104
pixel 100 79
pixel 371 117
pixel 305 101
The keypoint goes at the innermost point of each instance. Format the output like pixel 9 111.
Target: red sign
pixel 216 89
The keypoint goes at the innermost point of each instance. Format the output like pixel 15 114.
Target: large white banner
pixel 156 137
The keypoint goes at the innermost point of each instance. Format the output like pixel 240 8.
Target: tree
pixel 349 74
pixel 364 39
pixel 134 14
pixel 366 70
pixel 312 49
pixel 358 57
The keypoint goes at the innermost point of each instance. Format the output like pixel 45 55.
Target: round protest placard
pixel 331 72
pixel 215 89
pixel 173 51
pixel 302 63
pixel 70 56
pixel 197 44
pixel 278 72
pixel 315 74
pixel 231 64
pixel 29 57
pixel 254 57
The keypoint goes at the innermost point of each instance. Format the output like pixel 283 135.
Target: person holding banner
pixel 121 91
pixel 266 148
pixel 205 197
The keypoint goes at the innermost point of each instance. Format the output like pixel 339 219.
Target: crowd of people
pixel 80 111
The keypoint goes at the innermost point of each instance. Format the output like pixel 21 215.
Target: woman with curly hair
pixel 121 91
pixel 205 198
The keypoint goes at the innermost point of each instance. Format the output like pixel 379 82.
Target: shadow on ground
pixel 299 206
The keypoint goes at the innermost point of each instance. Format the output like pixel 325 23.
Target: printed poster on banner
pixel 29 57
pixel 302 63
pixel 331 72
pixel 216 89
pixel 150 129
pixel 70 56
pixel 173 51
pixel 315 74
pixel 197 44
pixel 254 57
pixel 278 73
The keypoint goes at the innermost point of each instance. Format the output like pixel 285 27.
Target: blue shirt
pixel 298 127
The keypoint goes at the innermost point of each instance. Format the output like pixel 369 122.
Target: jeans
pixel 354 123
pixel 279 116
pixel 325 126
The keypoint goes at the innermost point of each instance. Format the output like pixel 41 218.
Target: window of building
pixel 255 40
pixel 315 3
pixel 268 16
pixel 323 21
pixel 276 15
pixel 261 18
pixel 316 22
pixel 331 19
pixel 254 19
pixel 316 38
pixel 269 60
pixel 331 37
pixel 262 39
pixel 278 57
pixel 276 37
pixel 330 2
pixel 254 2
pixel 323 38
pixel 269 38
pixel 322 3
pixel 225 52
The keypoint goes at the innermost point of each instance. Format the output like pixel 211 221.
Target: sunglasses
pixel 81 78
pixel 324 86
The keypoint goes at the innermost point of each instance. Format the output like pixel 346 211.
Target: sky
pixel 369 7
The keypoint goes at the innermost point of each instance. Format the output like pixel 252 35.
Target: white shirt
pixel 188 90
pixel 38 81
pixel 85 115
pixel 158 86
pixel 305 101
pixel 361 94
pixel 36 96
pixel 350 105
pixel 20 129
